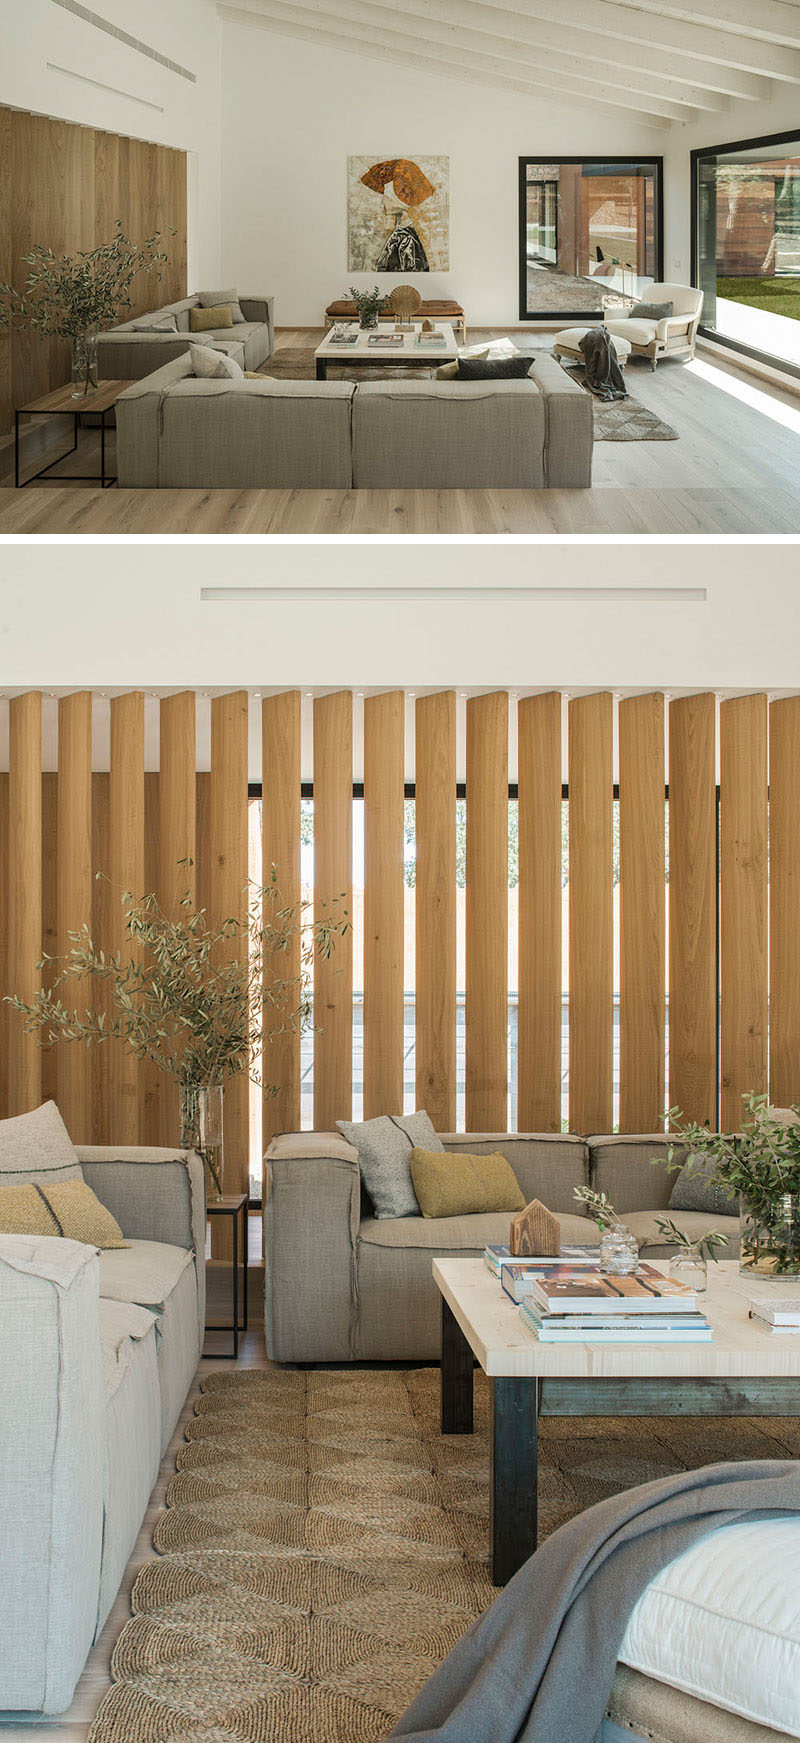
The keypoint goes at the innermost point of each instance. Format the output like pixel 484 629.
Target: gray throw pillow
pixel 211 365
pixel 156 324
pixel 650 312
pixel 215 299
pixel 384 1148
pixel 493 368
pixel 36 1148
pixel 694 1189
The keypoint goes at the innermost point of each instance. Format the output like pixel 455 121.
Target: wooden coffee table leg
pixel 322 372
pixel 457 1369
pixel 513 1477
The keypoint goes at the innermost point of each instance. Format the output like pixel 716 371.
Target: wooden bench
pixel 441 309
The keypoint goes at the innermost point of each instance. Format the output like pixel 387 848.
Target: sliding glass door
pixel 747 245
pixel 590 232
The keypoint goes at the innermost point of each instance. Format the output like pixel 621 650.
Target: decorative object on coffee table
pixel 369 305
pixel 535 1232
pixel 407 352
pixel 619 1251
pixel 759 1165
pixel 436 308
pixel 405 300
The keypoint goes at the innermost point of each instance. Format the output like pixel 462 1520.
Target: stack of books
pixel 780 1313
pixel 430 339
pixel 386 340
pixel 498 1259
pixel 342 334
pixel 579 1304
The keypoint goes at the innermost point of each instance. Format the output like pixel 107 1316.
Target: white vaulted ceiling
pixel 660 61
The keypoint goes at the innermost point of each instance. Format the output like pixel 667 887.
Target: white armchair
pixel 673 337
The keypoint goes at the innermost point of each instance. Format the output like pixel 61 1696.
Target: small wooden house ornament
pixel 534 1233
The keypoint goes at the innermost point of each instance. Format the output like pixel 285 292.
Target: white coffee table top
pixel 363 351
pixel 496 1333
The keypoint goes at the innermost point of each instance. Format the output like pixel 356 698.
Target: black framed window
pixel 591 231
pixel 746 245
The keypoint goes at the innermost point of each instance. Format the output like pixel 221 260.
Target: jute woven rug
pixel 324 1546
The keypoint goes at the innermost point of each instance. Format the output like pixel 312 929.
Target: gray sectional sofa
pixel 342 1286
pixel 177 432
pixel 135 348
pixel 97 1354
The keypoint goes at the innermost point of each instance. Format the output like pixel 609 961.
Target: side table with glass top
pixel 235 1206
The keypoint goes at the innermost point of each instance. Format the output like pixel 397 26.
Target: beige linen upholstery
pixel 623 1168
pixel 694 1223
pixel 127 355
pixel 675 335
pixel 641 1708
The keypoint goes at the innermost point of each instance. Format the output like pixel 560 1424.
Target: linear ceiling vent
pixel 122 36
pixel 459 595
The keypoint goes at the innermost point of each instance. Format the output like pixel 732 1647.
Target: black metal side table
pixel 235 1206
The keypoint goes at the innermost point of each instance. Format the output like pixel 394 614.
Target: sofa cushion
pixel 696 1189
pixel 158 323
pixel 59 1208
pixel 209 364
pixel 204 320
pixel 651 311
pixel 384 1148
pixel 121 1323
pixel 694 1223
pixel 463 1184
pixel 214 299
pixel 461 1234
pixel 623 1167
pixel 37 1147
pixel 448 435
pixel 262 435
pixel 548 1165
pixel 146 1273
pixel 637 332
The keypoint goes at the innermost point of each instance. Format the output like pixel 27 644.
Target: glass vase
pixel 770 1237
pixel 201 1130
pixel 690 1266
pixel 367 318
pixel 619 1253
pixel 85 366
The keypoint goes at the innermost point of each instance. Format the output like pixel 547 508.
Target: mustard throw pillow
pixel 450 1184
pixel 25 1211
pixel 202 320
pixel 81 1216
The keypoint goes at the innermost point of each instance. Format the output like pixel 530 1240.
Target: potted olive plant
pixel 369 305
pixel 186 1002
pixel 759 1165
pixel 74 296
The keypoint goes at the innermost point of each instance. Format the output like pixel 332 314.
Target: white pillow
pixel 215 300
pixel 36 1147
pixel 209 364
pixel 156 324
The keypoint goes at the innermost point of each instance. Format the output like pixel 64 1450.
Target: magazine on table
pixel 597 1329
pixel 569 1288
pixel 496 1258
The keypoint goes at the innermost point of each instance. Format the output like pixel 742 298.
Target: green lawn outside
pixel 778 296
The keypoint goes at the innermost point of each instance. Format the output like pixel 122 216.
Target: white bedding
pixel 723 1623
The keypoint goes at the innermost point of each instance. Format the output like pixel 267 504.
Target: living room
pixel 249 140
pixel 351 933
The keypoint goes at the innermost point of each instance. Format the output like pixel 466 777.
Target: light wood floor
pixel 734 471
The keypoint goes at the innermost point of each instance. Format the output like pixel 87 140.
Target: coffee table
pixel 60 404
pixel 408 354
pixel 743 1372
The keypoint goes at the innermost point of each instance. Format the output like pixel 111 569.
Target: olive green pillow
pixel 203 320
pixel 65 1207
pixel 449 1183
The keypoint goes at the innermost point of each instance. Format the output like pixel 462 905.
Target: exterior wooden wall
pixel 65 186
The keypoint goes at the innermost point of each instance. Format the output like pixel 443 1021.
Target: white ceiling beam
pixel 768 20
pixel 471 17
pixel 559 86
pixel 518 54
pixel 284 21
pixel 632 25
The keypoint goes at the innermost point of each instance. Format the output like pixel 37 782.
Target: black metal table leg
pixel 458 1365
pixel 16 450
pixel 235 1221
pixel 513 1479
pixel 246 1228
pixel 322 374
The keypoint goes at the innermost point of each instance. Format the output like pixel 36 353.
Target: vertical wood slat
pixel 784 902
pixel 4 951
pixel 540 948
pixel 154 1083
pixel 126 856
pixel 435 829
pixel 74 1063
pixel 486 977
pixel 177 838
pixel 591 913
pixel 384 778
pixel 25 892
pixel 101 932
pixel 333 854
pixel 642 914
pixel 228 900
pixel 280 838
pixel 743 903
pixel 49 1061
pixel 693 908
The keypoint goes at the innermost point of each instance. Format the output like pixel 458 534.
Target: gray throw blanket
pixel 538 1666
pixel 603 373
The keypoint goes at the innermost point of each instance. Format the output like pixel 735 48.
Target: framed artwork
pixel 398 214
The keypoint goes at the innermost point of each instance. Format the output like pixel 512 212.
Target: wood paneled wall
pixel 59 829
pixel 65 186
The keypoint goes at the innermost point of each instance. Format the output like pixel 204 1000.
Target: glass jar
pixel 201 1130
pixel 619 1253
pixel 85 366
pixel 690 1266
pixel 770 1237
pixel 367 318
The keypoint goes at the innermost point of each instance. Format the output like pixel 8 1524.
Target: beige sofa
pixel 127 355
pixel 342 1286
pixel 177 432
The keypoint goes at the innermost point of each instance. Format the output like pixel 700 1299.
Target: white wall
pixel 125 92
pixel 293 113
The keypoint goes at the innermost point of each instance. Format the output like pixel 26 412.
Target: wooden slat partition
pixel 49 1065
pixel 176 874
pixel 591 914
pixel 784 902
pixel 4 966
pixel 228 900
pixel 743 903
pixel 540 951
pixel 102 933
pixel 435 813
pixel 384 777
pixel 74 864
pixel 126 854
pixel 25 892
pixel 642 913
pixel 280 836
pixel 693 908
pixel 486 988
pixel 333 855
